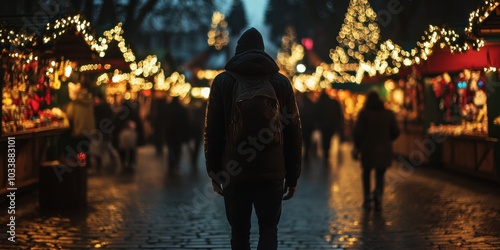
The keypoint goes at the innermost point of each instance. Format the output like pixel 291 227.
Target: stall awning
pixel 442 60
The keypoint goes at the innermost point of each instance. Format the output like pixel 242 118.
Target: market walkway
pixel 424 209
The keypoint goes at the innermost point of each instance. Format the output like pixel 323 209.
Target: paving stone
pixel 430 209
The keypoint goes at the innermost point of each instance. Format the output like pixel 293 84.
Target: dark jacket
pixel 270 162
pixel 329 114
pixel 177 123
pixel 374 131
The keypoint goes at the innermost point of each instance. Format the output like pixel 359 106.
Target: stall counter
pixel 30 151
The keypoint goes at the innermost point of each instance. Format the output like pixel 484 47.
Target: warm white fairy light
pixel 218 36
pixel 60 26
pixel 208 74
pixel 290 53
pixel 360 47
pixel 478 16
pixel 178 85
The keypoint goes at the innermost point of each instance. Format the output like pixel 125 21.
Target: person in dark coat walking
pixel 306 108
pixel 330 118
pixel 176 124
pixel 270 174
pixel 197 109
pixel 157 119
pixel 374 132
pixel 103 153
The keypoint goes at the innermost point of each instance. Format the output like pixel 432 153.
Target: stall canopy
pixel 442 60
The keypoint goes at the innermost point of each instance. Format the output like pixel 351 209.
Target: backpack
pixel 255 112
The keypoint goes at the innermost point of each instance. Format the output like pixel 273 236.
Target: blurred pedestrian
pixel 103 155
pixel 306 108
pixel 197 109
pixel 176 132
pixel 374 131
pixel 157 119
pixel 330 117
pixel 80 114
pixel 127 118
pixel 127 145
pixel 253 141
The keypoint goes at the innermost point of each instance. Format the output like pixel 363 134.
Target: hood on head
pixel 250 40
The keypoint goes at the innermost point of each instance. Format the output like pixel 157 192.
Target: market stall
pixel 462 120
pixel 36 76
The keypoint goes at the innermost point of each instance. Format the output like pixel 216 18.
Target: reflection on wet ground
pixel 428 209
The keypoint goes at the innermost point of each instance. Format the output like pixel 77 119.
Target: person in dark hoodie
pixel 271 175
pixel 373 133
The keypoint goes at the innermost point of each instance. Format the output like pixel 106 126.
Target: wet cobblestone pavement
pixel 423 209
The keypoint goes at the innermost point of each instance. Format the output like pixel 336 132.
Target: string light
pixel 59 27
pixel 11 38
pixel 479 15
pixel 360 52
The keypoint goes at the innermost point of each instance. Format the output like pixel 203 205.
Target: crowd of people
pixel 110 134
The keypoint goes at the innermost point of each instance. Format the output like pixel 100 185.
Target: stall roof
pixel 72 46
pixel 490 27
pixel 442 60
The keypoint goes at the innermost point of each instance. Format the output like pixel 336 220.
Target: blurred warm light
pixel 389 85
pixel 218 36
pixel 290 52
pixel 202 92
pixel 68 70
pixel 301 68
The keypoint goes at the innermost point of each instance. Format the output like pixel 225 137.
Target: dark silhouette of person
pixel 374 131
pixel 257 171
pixel 104 125
pixel 197 109
pixel 126 118
pixel 330 120
pixel 80 114
pixel 157 119
pixel 306 108
pixel 176 129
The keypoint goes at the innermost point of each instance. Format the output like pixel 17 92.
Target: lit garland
pixel 360 51
pixel 60 26
pixel 147 67
pixel 178 85
pixel 11 38
pixel 290 53
pixel 114 34
pixel 218 36
pixel 478 16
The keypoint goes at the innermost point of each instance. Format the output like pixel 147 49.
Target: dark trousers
pixel 266 198
pixel 379 181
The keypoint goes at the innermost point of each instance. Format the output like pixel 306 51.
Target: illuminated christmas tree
pixel 358 39
pixel 218 36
